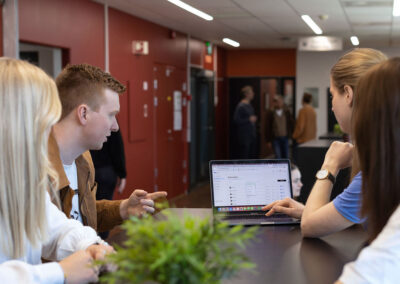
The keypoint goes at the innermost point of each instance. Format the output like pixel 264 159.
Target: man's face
pixel 103 121
pixel 250 95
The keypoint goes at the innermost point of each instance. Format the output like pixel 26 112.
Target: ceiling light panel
pixel 231 42
pixel 191 9
pixel 311 24
pixel 354 40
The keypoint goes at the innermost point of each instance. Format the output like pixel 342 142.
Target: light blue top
pixel 348 203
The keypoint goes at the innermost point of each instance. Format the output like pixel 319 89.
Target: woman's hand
pixel 286 206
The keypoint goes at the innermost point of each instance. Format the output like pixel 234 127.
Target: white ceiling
pixel 273 23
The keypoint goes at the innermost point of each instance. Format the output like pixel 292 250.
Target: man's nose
pixel 115 126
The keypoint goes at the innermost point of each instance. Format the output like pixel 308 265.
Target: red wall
pixel 198 55
pixel 135 69
pixel 262 62
pixel 78 25
pixel 75 24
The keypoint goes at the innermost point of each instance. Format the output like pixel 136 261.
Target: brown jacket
pixel 101 215
pixel 269 124
pixel 306 125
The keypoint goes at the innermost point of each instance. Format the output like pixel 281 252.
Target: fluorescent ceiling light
pixel 231 42
pixel 354 40
pixel 396 8
pixel 311 24
pixel 192 10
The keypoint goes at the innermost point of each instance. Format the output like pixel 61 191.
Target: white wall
pixel 49 57
pixel 312 70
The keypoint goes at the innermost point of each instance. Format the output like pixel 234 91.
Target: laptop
pixel 240 188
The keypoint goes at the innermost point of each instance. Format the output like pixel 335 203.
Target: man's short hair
pixel 84 84
pixel 307 98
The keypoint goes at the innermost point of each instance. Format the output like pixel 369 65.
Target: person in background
pixel 31 225
pixel 109 163
pixel 245 123
pixel 306 124
pixel 90 103
pixel 296 181
pixel 279 127
pixel 376 132
pixel 320 216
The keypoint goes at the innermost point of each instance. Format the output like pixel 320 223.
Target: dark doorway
pixel 265 88
pixel 49 58
pixel 202 120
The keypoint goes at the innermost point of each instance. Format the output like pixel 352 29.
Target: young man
pixel 90 102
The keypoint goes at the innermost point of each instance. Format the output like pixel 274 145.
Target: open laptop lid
pixel 248 185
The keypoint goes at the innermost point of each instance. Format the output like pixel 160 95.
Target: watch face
pixel 322 174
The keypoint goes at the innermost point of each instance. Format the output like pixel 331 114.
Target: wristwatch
pixel 325 174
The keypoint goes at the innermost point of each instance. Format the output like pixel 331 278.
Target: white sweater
pixel 66 236
pixel 379 262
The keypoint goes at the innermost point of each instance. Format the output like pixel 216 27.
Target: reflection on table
pixel 283 256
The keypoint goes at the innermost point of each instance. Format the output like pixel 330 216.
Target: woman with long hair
pixel 31 226
pixel 376 131
pixel 320 216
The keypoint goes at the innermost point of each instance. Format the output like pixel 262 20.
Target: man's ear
pixel 82 112
pixel 348 92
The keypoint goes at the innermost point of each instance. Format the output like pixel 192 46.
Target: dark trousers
pixel 281 147
pixel 106 179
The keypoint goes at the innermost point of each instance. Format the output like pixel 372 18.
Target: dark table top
pixel 283 256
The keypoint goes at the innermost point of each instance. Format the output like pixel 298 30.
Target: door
pixel 170 144
pixel 202 117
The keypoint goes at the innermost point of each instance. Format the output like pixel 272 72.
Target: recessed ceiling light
pixel 396 8
pixel 191 9
pixel 354 40
pixel 311 24
pixel 231 42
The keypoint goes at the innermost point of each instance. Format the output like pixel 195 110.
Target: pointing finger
pixel 156 195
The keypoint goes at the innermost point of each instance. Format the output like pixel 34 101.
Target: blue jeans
pixel 281 147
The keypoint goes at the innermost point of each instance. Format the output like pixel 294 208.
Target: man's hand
pixel 286 206
pixel 139 202
pixel 121 185
pixel 253 118
pixel 339 156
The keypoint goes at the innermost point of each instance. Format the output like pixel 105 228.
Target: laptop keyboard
pixel 256 216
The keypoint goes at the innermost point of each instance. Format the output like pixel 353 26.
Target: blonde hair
pixel 351 66
pixel 29 106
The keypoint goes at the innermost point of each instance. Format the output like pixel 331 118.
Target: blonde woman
pixel 31 226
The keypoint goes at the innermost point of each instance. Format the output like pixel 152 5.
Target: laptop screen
pixel 248 185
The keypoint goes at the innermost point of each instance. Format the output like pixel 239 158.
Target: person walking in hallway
pixel 245 124
pixel 306 124
pixel 279 126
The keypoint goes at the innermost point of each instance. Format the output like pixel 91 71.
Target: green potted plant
pixel 179 250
